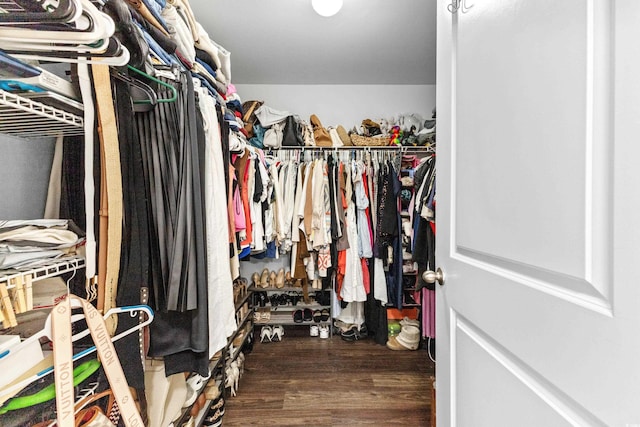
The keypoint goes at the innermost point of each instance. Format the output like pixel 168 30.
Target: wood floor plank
pixel 304 381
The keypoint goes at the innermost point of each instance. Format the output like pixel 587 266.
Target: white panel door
pixel 538 213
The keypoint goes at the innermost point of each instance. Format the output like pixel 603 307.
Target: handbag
pixel 273 136
pixel 92 416
pixel 291 135
pixel 62 361
pixel 249 117
pixel 320 134
pixel 257 140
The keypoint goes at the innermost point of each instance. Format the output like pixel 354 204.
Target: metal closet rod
pixel 412 149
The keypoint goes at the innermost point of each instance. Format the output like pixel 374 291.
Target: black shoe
pixel 307 315
pixel 351 335
pixel 215 419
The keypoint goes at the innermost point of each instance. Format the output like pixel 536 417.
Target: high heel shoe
pixel 288 280
pixel 276 333
pixel 280 279
pixel 264 278
pixel 255 279
pixel 265 334
pixel 272 279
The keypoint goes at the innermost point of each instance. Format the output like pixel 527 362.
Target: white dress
pixel 221 309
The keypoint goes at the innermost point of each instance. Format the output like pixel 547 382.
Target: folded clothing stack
pixel 27 244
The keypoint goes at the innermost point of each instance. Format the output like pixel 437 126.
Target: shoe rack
pixel 277 306
pixel 220 366
pixel 243 293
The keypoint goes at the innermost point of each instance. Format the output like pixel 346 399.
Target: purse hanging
pixel 291 136
pixel 63 365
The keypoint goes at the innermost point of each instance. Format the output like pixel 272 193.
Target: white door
pixel 538 213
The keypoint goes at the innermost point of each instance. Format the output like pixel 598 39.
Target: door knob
pixel 433 276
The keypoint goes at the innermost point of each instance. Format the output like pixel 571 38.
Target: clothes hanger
pixel 161 83
pixel 133 311
pixel 65 11
pixel 92 25
pixel 102 47
pixel 140 92
pixel 117 61
pixel 80 373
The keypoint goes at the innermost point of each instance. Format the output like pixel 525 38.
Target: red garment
pixel 243 163
pixel 342 266
pixel 367 211
pixel 366 280
pixel 232 218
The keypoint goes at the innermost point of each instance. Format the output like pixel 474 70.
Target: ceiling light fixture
pixel 326 7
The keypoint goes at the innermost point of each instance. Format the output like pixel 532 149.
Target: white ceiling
pixel 286 42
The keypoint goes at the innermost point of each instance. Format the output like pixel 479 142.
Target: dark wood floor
pixel 305 381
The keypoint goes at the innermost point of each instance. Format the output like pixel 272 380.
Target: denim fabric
pixel 271 249
pixel 159 51
pixel 165 42
pixel 206 66
pixel 244 253
pixel 156 11
pixel 234 105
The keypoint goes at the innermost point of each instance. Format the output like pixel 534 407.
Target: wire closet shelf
pixel 26 118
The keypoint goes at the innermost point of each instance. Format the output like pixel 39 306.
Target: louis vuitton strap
pixel 63 364
pixel 111 193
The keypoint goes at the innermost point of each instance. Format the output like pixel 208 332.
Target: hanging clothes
pixel 221 308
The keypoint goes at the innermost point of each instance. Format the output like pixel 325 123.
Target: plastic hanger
pixel 65 11
pixel 140 91
pixel 80 373
pixel 161 83
pixel 92 25
pixel 117 60
pixel 110 47
pixel 133 311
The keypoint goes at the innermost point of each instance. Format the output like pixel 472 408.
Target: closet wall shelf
pixel 26 118
pixel 236 350
pixel 245 298
pixel 283 319
pixel 359 147
pixel 55 268
pixel 299 306
pixel 285 289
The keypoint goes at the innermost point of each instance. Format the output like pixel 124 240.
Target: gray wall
pixel 25 165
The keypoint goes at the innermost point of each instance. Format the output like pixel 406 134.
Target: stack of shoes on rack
pixel 324 331
pixel 355 333
pixel 212 390
pixel 303 315
pixel 215 414
pixel 232 377
pixel 271 334
pixel 407 339
pixel 195 383
pixel 240 286
pixel 314 331
pixel 262 315
pixel 320 317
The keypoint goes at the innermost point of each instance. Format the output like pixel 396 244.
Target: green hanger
pixel 161 83
pixel 80 373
